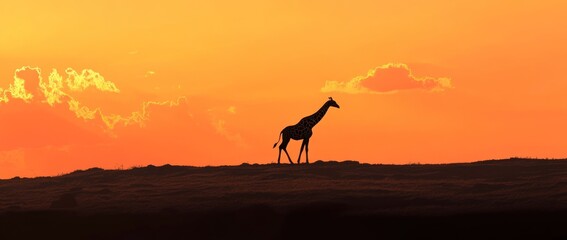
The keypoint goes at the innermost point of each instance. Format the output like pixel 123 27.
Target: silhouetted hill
pixel 488 199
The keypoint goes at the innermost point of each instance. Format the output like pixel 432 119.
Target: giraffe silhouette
pixel 302 130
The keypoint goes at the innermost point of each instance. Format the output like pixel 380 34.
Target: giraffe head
pixel 332 103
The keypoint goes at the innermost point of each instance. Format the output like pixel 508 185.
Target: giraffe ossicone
pixel 303 131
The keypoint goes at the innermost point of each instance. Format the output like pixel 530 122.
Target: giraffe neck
pixel 317 116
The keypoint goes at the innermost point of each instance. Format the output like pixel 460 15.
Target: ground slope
pixel 488 199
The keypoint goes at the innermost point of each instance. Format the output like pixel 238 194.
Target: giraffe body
pixel 303 131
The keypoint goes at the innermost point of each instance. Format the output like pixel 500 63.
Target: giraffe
pixel 302 130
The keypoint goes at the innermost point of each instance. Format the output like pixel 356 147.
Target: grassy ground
pixel 513 198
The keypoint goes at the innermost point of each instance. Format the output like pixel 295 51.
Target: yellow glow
pixel 54 91
pixel 232 109
pixel 3 97
pixel 81 111
pixel 17 88
pixel 138 117
pixel 87 78
pixel 52 88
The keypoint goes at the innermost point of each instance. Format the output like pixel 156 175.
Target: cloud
pixel 3 97
pixel 138 117
pixel 232 109
pixel 388 78
pixel 149 73
pixel 219 123
pixel 17 89
pixel 57 89
pixel 220 127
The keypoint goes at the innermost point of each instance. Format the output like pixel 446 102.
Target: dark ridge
pixel 333 162
pixel 173 169
pixel 86 172
pixel 161 170
pixel 520 160
pixel 502 199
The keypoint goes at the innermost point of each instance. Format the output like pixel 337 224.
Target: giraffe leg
pixel 306 141
pixel 279 155
pixel 300 151
pixel 285 150
pixel 283 146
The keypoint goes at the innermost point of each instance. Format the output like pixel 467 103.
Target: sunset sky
pixel 116 84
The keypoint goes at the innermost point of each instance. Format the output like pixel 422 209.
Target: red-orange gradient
pixel 492 81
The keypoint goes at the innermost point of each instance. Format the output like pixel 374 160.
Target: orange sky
pixel 214 82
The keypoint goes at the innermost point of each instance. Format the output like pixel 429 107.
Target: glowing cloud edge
pixel 53 91
pixel 354 86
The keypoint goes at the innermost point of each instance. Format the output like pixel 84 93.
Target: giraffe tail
pixel 280 136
